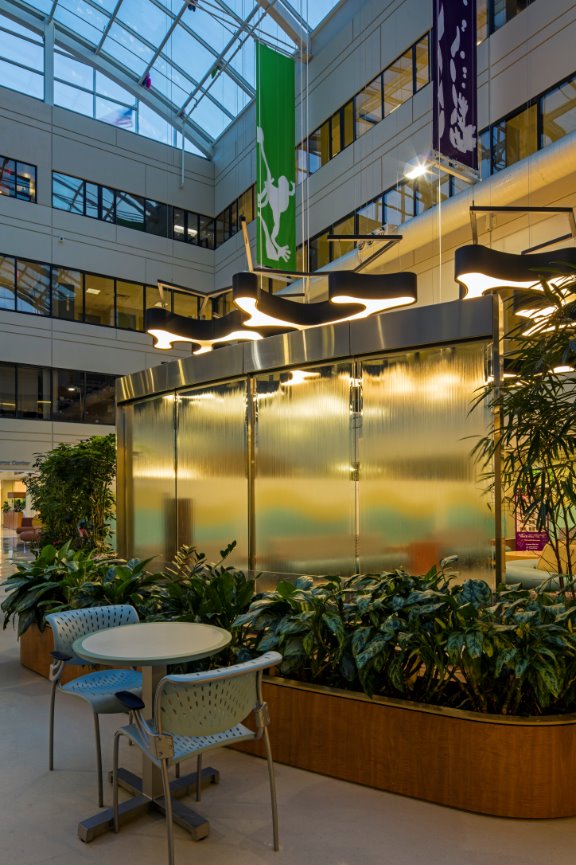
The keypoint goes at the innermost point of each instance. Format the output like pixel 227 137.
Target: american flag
pixel 121 117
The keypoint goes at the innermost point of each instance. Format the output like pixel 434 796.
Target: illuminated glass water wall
pixel 211 469
pixel 355 465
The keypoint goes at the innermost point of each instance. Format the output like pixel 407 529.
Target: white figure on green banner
pixel 277 197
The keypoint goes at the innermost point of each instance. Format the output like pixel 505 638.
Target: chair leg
pixel 51 727
pixel 168 807
pixel 199 777
pixel 272 779
pixel 99 760
pixel 115 780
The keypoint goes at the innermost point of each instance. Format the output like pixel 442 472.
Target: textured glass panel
pixel 420 496
pixel 153 482
pixel 212 480
pixel 304 487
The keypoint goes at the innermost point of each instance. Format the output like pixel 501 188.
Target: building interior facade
pixel 128 183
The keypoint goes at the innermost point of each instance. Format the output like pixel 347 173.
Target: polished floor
pixel 322 821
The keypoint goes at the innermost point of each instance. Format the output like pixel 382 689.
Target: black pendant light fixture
pixel 168 327
pixel 479 269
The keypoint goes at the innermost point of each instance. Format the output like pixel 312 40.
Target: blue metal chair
pixel 97 689
pixel 196 713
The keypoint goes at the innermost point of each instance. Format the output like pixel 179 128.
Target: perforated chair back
pixel 70 625
pixel 202 704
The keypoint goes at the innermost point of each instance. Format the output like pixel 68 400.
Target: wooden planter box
pixel 489 764
pixel 35 648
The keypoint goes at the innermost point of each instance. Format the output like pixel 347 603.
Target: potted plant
pixel 425 687
pixel 535 438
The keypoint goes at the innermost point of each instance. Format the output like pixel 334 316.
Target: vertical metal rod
pixel 498 371
pixel 251 421
pixel 49 63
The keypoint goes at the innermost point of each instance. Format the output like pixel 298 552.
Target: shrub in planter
pixel 423 639
pixel 64 578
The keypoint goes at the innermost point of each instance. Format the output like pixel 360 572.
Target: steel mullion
pixel 108 27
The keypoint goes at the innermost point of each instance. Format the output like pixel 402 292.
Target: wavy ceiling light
pixel 479 269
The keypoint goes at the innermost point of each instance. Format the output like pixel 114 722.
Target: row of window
pixel 39 393
pixel 408 74
pixel 17 179
pixel 537 124
pixel 60 292
pixel 135 211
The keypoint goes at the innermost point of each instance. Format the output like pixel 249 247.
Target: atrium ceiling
pixel 192 61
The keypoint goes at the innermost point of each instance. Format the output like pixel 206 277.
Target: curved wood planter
pixel 489 764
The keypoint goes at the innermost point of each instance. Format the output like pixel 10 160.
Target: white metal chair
pixel 98 689
pixel 195 713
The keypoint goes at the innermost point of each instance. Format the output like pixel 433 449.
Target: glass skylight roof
pixel 191 61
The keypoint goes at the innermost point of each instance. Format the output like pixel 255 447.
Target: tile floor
pixel 322 821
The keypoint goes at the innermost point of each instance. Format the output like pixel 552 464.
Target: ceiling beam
pixel 289 24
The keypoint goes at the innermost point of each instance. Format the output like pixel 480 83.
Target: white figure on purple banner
pixel 277 197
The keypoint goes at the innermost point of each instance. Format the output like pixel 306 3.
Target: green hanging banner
pixel 275 160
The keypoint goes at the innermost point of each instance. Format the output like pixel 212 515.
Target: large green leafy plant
pixel 71 489
pixel 425 639
pixel 536 407
pixel 62 579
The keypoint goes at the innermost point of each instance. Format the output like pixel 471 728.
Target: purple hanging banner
pixel 455 130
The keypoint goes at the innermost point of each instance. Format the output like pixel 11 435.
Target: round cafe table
pixel 151 646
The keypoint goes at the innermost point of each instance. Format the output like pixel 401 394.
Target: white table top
pixel 152 643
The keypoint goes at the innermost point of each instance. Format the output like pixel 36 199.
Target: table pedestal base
pixel 184 816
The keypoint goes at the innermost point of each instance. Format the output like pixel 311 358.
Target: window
pixel 99 299
pixel 68 392
pixel 156 217
pixel 129 305
pixel 504 10
pixel 481 21
pixel 399 204
pixel 398 84
pixel 7 282
pixel 206 232
pixel 368 107
pixel 33 393
pixel 222 304
pixel 558 112
pixel 246 205
pixel 7 177
pixel 17 179
pixel 7 390
pixel 99 398
pixel 186 304
pixel 421 64
pixel 484 159
pixel 515 138
pixel 67 294
pixel 130 210
pixel 32 287
pixel 426 192
pixel 319 251
pixel 319 147
pixel 67 193
pixel 155 300
pixel 341 247
pixel 370 216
